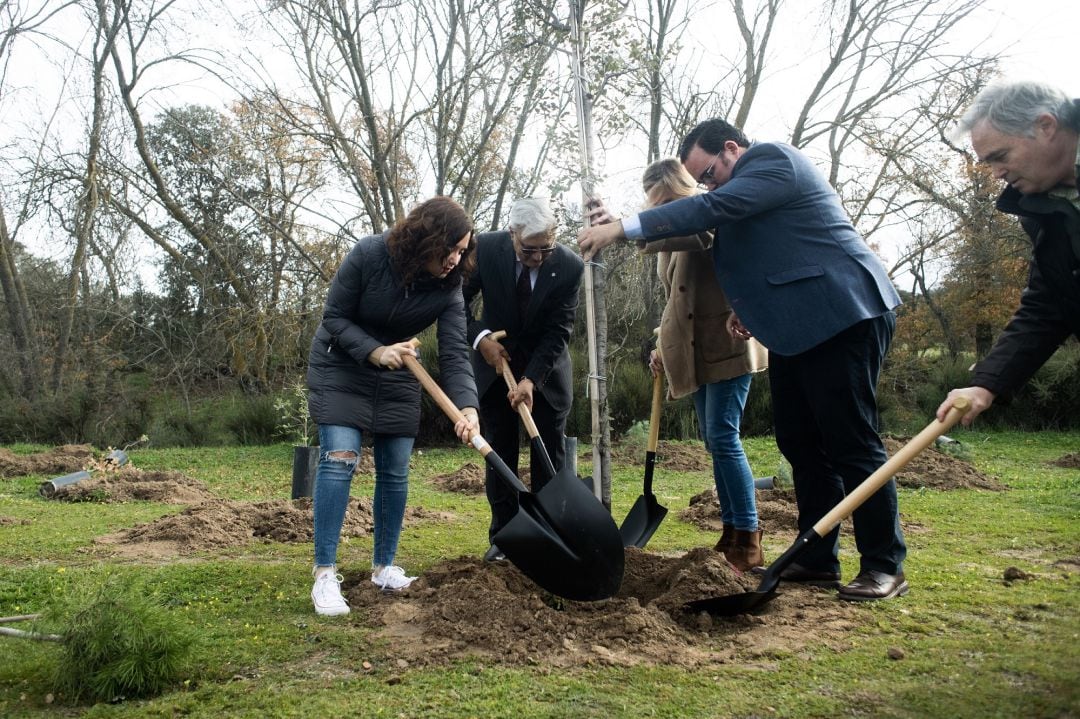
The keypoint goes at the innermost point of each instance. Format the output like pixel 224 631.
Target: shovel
pixel 646 514
pixel 560 537
pixel 535 442
pixel 766 590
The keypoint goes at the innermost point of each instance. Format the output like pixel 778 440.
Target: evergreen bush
pixel 121 644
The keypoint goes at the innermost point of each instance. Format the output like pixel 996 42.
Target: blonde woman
pixel 701 356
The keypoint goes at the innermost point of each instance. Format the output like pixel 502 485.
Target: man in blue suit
pixel 802 281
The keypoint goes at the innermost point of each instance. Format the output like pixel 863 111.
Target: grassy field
pixel 964 642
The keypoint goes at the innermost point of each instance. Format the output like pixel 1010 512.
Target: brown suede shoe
pixel 870 586
pixel 727 538
pixel 815 578
pixel 745 551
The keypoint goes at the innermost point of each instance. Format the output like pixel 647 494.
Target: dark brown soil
pixel 131 484
pixel 669 455
pixel 219 523
pixel 776 511
pixel 1068 461
pixel 466 608
pixel 467 480
pixel 61 460
pixel 934 469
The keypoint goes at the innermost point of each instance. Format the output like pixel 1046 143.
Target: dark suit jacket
pixel 543 336
pixel 792 265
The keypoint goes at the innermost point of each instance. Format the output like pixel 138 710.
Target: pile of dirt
pixel 60 460
pixel 669 455
pixel 219 523
pixel 465 608
pixel 1068 461
pixel 470 478
pixel 934 469
pixel 776 508
pixel 467 480
pixel 129 483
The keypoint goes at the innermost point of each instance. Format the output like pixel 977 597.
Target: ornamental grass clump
pixel 121 645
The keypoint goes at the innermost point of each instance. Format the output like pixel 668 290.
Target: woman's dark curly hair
pixel 427 235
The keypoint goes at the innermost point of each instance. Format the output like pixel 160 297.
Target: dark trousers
pixel 499 424
pixel 825 412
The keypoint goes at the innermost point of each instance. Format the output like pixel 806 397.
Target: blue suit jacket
pixel 790 261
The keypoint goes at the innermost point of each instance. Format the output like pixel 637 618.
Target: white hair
pixel 531 216
pixel 1012 108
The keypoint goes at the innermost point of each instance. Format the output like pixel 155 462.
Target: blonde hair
pixel 666 180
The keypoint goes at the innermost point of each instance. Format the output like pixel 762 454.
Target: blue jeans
pixel 719 409
pixel 339 455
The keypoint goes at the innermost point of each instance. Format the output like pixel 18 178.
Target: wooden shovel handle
pixel 508 377
pixel 895 463
pixel 445 403
pixel 657 401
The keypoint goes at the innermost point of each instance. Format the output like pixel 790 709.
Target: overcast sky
pixel 1041 38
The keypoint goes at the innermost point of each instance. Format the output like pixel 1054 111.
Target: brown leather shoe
pixel 870 586
pixel 727 537
pixel 815 578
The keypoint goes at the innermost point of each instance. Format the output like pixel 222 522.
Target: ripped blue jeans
pixel 339 455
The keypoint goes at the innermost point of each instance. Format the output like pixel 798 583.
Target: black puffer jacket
pixel 369 306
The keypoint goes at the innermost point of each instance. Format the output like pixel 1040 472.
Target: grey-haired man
pixel 1027 132
pixel 529 284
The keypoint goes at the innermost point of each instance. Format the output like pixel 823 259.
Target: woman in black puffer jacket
pixel 390 288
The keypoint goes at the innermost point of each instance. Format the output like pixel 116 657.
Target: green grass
pixel 972 645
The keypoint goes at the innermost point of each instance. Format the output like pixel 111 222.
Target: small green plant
pixel 637 434
pixel 121 645
pixel 294 422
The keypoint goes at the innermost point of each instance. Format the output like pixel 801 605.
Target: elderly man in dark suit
pixel 802 281
pixel 529 285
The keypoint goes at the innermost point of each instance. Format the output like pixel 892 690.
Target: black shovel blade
pixel 563 539
pixel 646 514
pixel 732 604
pixel 642 521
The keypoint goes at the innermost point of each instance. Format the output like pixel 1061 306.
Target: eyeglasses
pixel 542 251
pixel 707 176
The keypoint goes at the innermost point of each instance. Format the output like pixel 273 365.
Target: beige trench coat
pixel 694 342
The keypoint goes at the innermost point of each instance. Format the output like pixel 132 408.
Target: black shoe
pixel 815 578
pixel 494 554
pixel 871 586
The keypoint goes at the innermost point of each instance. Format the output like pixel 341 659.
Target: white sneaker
pixel 391 578
pixel 326 595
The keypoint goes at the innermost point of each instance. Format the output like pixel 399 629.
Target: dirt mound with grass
pixel 1068 461
pixel 776 511
pixel 934 469
pixel 219 524
pixel 12 521
pixel 465 608
pixel 467 480
pixel 128 484
pixel 57 461
pixel 669 455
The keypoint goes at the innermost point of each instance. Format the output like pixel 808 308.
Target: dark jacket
pixel 1050 305
pixel 369 306
pixel 542 337
pixel 786 254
